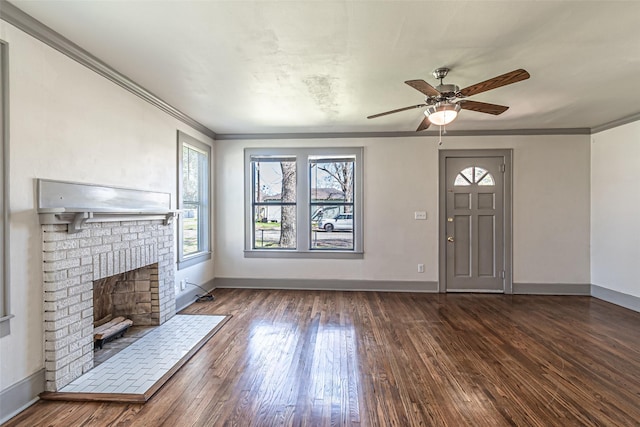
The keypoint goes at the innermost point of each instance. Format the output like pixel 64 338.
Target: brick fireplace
pixel 72 261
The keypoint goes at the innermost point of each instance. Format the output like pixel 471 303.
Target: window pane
pixel 461 180
pixel 487 180
pixel 332 227
pixel 193 172
pixel 190 174
pixel 468 174
pixel 274 227
pixel 331 202
pixel 274 181
pixel 474 175
pixel 190 229
pixel 478 174
pixel 331 179
pixel 274 203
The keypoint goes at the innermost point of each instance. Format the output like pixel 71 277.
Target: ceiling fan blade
pixel 423 87
pixel 496 82
pixel 396 111
pixel 425 123
pixel 483 107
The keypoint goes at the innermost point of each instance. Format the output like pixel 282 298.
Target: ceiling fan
pixel 444 101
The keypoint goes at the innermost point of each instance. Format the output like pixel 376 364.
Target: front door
pixel 474 223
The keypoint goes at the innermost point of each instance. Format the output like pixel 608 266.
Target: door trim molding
pixel 507 155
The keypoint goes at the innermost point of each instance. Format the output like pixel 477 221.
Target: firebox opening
pixel 132 295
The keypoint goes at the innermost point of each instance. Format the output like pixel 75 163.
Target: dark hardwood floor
pixel 311 358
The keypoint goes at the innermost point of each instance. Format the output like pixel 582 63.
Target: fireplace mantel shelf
pixel 76 218
pixel 99 203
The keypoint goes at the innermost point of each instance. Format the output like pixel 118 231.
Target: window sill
pixel 256 253
pixel 5 325
pixel 193 260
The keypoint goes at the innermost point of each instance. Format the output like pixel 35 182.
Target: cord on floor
pixel 204 297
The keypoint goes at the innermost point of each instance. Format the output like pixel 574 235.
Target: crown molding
pixel 403 134
pixel 616 123
pixel 36 29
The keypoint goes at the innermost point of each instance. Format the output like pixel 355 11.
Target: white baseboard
pixel 624 300
pixel 21 395
pixel 552 289
pixel 327 285
pixel 388 286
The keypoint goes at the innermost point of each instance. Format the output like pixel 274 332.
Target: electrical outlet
pixel 420 268
pixel 183 284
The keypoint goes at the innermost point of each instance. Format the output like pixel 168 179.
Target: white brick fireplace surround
pixel 72 261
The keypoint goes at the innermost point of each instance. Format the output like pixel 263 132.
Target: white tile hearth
pixel 138 367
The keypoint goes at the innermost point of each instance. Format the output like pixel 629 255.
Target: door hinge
pixel 502 274
pixel 502 167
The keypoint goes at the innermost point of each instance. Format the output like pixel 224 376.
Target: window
pixel 194 159
pixel 4 189
pixel 274 202
pixel 332 201
pixel 474 175
pixel 303 202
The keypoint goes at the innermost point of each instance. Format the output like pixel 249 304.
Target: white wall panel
pixel 615 209
pixel 551 210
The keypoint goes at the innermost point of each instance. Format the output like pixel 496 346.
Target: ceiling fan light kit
pixel 442 113
pixel 444 101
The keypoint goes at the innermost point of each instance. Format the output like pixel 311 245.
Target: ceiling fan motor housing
pixel 448 91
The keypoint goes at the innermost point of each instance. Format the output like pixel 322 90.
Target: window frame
pixel 204 234
pixel 5 307
pixel 303 204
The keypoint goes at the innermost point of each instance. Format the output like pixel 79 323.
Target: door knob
pixel 450 239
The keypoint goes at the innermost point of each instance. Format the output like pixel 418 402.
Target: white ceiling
pixel 323 66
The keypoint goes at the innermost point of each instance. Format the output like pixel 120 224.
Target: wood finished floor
pixel 312 358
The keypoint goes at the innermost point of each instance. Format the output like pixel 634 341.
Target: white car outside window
pixel 340 222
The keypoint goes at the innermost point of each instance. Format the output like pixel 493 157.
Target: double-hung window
pixel 194 160
pixel 303 202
